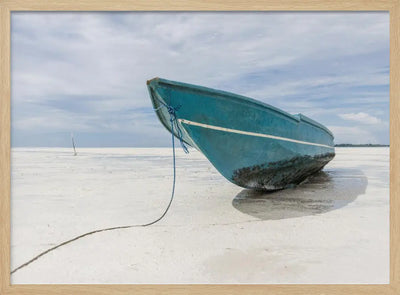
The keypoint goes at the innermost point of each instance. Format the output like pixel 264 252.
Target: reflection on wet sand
pixel 325 191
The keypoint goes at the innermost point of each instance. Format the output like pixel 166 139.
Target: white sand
pixel 333 229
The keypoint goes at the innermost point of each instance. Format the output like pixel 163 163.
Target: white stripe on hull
pixel 250 133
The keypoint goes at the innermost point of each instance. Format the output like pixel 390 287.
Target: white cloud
pixel 353 134
pixel 109 56
pixel 361 117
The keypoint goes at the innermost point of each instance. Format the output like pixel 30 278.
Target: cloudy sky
pixel 86 72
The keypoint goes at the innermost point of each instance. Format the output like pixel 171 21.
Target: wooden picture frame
pixel 8 6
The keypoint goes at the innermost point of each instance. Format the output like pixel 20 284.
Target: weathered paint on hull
pixel 252 144
pixel 281 174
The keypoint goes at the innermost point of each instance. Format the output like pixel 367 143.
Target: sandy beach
pixel 332 229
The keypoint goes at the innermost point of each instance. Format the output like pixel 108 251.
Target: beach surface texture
pixel 332 229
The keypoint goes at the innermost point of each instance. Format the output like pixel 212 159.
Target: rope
pixel 173 120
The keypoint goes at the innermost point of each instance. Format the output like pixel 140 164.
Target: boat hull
pixel 251 144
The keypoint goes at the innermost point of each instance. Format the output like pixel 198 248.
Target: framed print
pixel 223 148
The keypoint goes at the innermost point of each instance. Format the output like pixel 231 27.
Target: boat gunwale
pixel 202 89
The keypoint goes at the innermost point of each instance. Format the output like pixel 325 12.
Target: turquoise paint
pixel 246 160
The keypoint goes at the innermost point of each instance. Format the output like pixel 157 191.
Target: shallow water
pixel 327 190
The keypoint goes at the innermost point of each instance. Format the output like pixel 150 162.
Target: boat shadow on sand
pixel 323 192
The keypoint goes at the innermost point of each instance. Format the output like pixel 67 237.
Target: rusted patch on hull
pixel 281 174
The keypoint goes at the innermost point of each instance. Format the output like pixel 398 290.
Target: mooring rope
pixel 172 118
pixel 173 121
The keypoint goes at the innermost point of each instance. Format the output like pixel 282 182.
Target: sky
pixel 85 72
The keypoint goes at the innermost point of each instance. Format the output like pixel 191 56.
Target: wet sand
pixel 334 228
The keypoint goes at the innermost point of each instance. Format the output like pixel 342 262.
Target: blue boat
pixel 252 144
